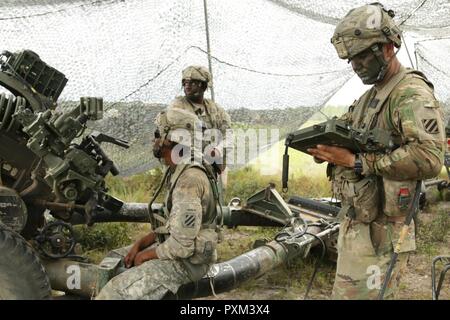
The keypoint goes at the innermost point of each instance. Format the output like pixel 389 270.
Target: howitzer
pixel 42 167
pixel 41 161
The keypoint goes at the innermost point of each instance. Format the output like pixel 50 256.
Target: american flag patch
pixel 430 125
pixel 189 221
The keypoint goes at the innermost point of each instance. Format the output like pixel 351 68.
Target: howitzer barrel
pixel 230 274
pixel 129 212
pixel 314 205
pixel 138 212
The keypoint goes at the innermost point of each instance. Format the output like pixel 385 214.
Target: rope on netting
pixel 166 67
pixel 84 5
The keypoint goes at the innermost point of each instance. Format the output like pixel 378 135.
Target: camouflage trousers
pixel 152 280
pixel 362 265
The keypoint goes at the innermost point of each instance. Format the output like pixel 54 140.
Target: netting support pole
pixel 415 55
pixel 208 46
pixel 407 51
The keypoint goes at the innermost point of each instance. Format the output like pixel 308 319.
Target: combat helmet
pixel 197 73
pixel 364 27
pixel 177 125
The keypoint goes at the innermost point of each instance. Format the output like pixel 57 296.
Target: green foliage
pixel 431 233
pixel 137 188
pixel 105 236
pixel 96 241
pixel 245 182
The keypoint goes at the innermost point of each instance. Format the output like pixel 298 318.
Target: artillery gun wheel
pixel 22 275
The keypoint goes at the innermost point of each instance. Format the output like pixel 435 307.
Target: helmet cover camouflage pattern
pixel 178 125
pixel 197 73
pixel 363 27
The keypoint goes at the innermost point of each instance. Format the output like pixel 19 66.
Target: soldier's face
pixel 157 148
pixel 366 66
pixel 162 151
pixel 193 88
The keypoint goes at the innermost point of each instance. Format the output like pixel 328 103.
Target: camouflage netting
pixel 265 54
pixel 431 59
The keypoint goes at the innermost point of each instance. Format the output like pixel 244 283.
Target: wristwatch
pixel 358 168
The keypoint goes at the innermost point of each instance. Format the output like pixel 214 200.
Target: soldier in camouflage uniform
pixel 182 245
pixel 195 81
pixel 377 189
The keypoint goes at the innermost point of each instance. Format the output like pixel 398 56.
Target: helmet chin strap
pixel 383 63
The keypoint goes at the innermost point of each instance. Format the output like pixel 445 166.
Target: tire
pixel 22 275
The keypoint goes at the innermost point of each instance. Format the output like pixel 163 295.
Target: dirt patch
pixel 416 281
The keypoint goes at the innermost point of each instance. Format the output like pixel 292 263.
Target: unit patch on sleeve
pixel 189 221
pixel 430 125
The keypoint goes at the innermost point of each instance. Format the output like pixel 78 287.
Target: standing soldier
pixel 182 245
pixel 195 81
pixel 377 189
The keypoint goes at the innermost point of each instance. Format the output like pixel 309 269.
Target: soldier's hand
pixel 143 256
pixel 129 259
pixel 336 155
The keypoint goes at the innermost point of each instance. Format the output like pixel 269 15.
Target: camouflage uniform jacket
pixel 406 107
pixel 190 213
pixel 212 115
